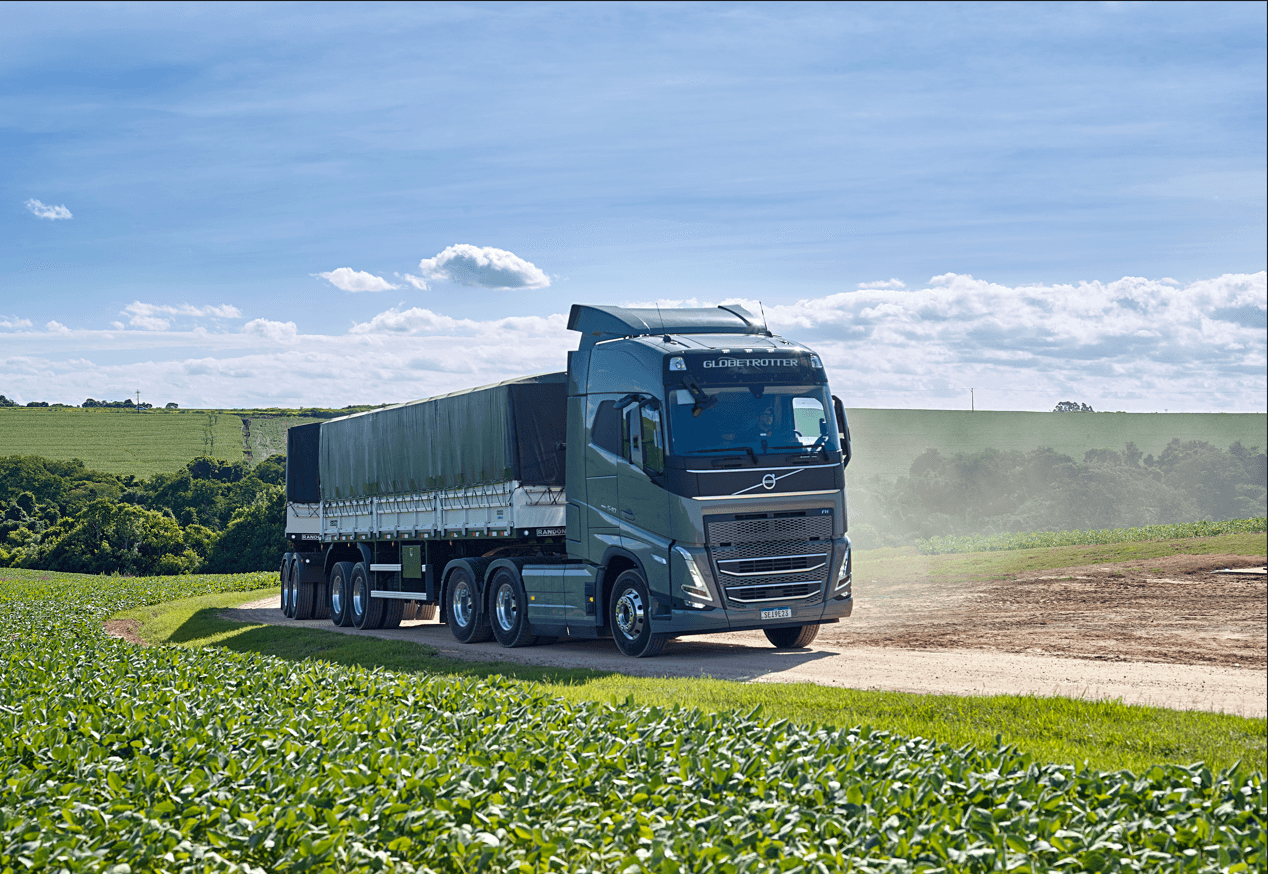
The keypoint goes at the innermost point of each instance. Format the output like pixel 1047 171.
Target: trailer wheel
pixel 462 603
pixel 303 592
pixel 366 611
pixel 284 573
pixel 508 605
pixel 794 637
pixel 631 618
pixel 392 611
pixel 340 592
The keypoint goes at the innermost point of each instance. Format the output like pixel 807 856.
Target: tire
pixel 321 600
pixel 791 637
pixel 392 611
pixel 340 593
pixel 409 611
pixel 284 573
pixel 462 605
pixel 630 615
pixel 426 612
pixel 508 609
pixel 304 592
pixel 366 611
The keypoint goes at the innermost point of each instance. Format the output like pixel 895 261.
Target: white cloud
pixel 347 279
pixel 884 283
pixel 1132 344
pixel 278 332
pixel 14 322
pixel 45 211
pixel 485 267
pixel 416 281
pixel 56 328
pixel 149 316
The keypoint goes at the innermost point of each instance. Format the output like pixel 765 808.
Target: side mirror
pixel 843 430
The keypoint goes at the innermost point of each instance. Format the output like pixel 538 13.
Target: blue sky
pixel 215 161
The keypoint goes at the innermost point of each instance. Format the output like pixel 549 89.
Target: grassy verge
pixel 1037 539
pixel 901 564
pixel 1105 735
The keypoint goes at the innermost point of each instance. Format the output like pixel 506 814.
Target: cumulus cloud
pixel 416 281
pixel 483 267
pixel 14 322
pixel 884 283
pixel 347 279
pixel 149 316
pixel 1133 344
pixel 278 332
pixel 44 211
pixel 56 328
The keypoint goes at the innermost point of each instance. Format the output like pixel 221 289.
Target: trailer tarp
pixel 496 433
pixel 302 483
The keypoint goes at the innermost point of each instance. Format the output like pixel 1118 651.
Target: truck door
pixel 603 455
pixel 644 501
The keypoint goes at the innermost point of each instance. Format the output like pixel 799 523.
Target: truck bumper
pixel 737 619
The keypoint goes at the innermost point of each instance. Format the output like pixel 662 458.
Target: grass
pixel 1105 735
pixel 121 441
pixel 903 564
pixel 1037 539
pixel 886 442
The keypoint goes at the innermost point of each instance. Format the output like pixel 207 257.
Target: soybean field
pixel 175 759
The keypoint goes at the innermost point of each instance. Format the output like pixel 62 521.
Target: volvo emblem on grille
pixel 769 481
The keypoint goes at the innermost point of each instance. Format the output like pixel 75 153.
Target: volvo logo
pixel 769 481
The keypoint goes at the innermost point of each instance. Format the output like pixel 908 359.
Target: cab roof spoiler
pixel 599 323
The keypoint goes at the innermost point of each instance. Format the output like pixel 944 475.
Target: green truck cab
pixel 684 476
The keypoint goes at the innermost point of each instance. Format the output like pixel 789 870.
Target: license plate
pixel 778 613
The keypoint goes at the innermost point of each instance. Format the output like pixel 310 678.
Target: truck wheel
pixel 508 605
pixel 631 617
pixel 426 612
pixel 392 610
pixel 284 579
pixel 366 612
pixel 794 637
pixel 462 609
pixel 303 592
pixel 340 593
pixel 321 600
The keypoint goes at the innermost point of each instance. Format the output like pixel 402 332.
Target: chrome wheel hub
pixel 462 605
pixel 629 614
pixel 506 608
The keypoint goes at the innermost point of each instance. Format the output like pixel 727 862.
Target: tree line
pixel 211 516
pixel 1000 492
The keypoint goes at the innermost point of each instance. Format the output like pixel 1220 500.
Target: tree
pixel 255 538
pixel 5 402
pixel 1072 407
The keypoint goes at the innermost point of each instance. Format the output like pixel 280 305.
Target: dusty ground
pixel 1174 610
pixel 1168 632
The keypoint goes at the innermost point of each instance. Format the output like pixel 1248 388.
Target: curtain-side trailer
pixel 684 475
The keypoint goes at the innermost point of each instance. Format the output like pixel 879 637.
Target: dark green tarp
pixel 509 431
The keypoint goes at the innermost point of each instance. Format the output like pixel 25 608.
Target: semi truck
pixel 684 475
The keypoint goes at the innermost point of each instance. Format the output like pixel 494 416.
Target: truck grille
pixel 762 557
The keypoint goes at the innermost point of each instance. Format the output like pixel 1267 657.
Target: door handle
pixel 625 512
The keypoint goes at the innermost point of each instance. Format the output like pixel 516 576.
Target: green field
pixel 886 442
pixel 202 758
pixel 142 444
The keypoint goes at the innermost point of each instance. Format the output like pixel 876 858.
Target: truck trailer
pixel 684 475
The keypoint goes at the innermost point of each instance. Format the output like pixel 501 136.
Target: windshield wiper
pixel 736 450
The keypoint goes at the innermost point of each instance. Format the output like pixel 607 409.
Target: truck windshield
pixel 773 418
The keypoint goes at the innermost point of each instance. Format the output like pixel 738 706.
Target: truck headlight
pixel 845 573
pixel 694 587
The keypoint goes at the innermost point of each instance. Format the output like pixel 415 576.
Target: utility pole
pixel 972 402
pixel 138 400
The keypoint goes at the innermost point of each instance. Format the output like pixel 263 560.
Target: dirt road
pixel 1169 632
